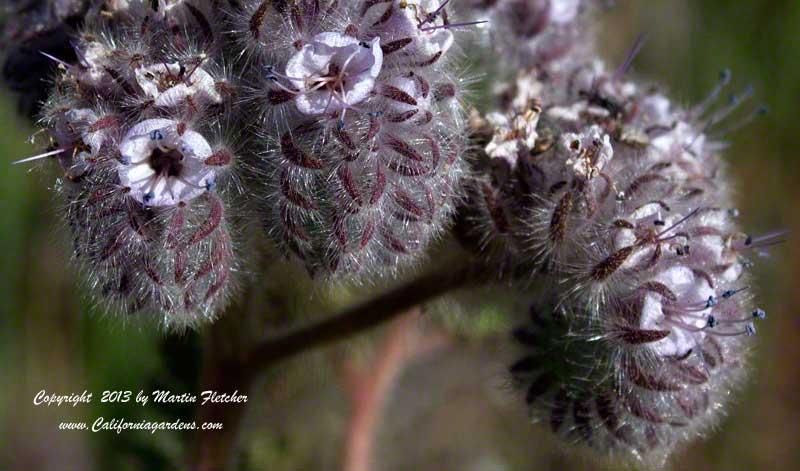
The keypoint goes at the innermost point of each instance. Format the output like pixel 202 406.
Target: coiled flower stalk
pixel 132 124
pixel 617 202
pixel 362 129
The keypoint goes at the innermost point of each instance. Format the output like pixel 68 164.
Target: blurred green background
pixel 448 410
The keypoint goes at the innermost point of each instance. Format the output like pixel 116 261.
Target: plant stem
pixel 225 372
pixel 361 317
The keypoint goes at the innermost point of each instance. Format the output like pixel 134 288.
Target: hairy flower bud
pixel 362 129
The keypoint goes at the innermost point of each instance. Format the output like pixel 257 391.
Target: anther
pixel 750 329
pixel 759 313
pixel 711 302
pixel 156 135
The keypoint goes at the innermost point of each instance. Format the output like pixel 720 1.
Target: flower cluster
pixel 135 125
pixel 617 202
pixel 362 129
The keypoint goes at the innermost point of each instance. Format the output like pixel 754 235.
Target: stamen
pixel 37 157
pixel 81 56
pixel 749 330
pixel 55 59
pixel 760 111
pixel 760 242
pixel 628 62
pixel 432 16
pixel 454 25
pixel 724 80
pixel 733 103
pixel 679 222
pixel 273 74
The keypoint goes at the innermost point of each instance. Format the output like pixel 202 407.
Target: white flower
pixel 170 84
pixel 587 152
pixel 162 166
pixel 564 11
pixel 334 72
pixel 512 136
pixel 683 319
pixel 421 22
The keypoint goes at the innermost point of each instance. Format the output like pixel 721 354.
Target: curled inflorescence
pixel 362 128
pixel 136 125
pixel 617 202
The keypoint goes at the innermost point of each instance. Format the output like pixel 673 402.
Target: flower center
pixel 166 162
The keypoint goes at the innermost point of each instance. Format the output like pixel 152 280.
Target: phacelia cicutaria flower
pixel 163 166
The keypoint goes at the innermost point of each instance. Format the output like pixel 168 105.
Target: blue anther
pixel 149 196
pixel 211 185
pixel 711 302
pixel 156 135
pixel 759 313
pixel 750 329
pixel 711 322
pixel 125 159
